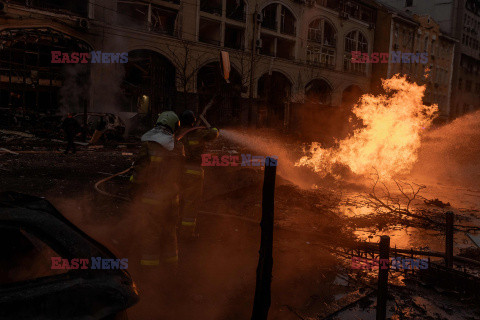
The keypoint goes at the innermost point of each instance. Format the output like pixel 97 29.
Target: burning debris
pixel 389 138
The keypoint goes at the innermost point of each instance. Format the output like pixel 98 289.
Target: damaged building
pixel 300 65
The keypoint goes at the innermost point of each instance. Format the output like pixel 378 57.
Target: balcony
pixel 323 57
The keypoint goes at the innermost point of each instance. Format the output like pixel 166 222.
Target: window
pixel 236 10
pixel 140 15
pixel 209 31
pixel 133 15
pixel 24 256
pixel 319 92
pixel 234 37
pixel 354 41
pixel 211 6
pixel 287 25
pixel 281 44
pixel 408 3
pixel 270 17
pixel 163 20
pixel 321 45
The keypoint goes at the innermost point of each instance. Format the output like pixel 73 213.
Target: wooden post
pixel 262 300
pixel 449 240
pixel 382 291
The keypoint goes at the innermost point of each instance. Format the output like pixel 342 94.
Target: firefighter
pixel 157 175
pixel 193 139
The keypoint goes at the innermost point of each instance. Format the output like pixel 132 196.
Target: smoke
pixel 100 84
pixel 452 153
pixel 105 89
pixel 75 88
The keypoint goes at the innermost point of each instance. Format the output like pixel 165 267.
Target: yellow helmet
pixel 169 119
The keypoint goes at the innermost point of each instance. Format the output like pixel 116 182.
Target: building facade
pixel 415 34
pixel 301 55
pixel 460 19
pixel 437 74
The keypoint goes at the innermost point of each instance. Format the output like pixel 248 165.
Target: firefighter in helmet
pixel 194 140
pixel 157 175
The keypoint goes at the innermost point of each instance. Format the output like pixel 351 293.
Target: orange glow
pixel 388 141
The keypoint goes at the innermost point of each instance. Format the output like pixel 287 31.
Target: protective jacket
pixel 157 175
pixel 194 142
pixel 193 177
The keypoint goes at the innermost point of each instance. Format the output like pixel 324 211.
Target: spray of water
pixel 267 144
pixel 451 153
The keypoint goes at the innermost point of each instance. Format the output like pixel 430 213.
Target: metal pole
pixel 449 240
pixel 383 279
pixel 262 300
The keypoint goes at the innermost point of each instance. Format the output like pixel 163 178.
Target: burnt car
pixel 32 232
pixel 113 125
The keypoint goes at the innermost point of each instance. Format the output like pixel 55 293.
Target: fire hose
pixel 108 194
pixel 107 179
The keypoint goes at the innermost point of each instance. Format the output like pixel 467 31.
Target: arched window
pixel 287 23
pixel 318 91
pixel 236 10
pixel 354 41
pixel 321 43
pixel 321 31
pixel 279 19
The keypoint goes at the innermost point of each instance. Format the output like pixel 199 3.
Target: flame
pixel 389 139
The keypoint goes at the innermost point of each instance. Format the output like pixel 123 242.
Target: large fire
pixel 389 139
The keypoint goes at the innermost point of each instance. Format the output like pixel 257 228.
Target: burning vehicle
pixel 33 234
